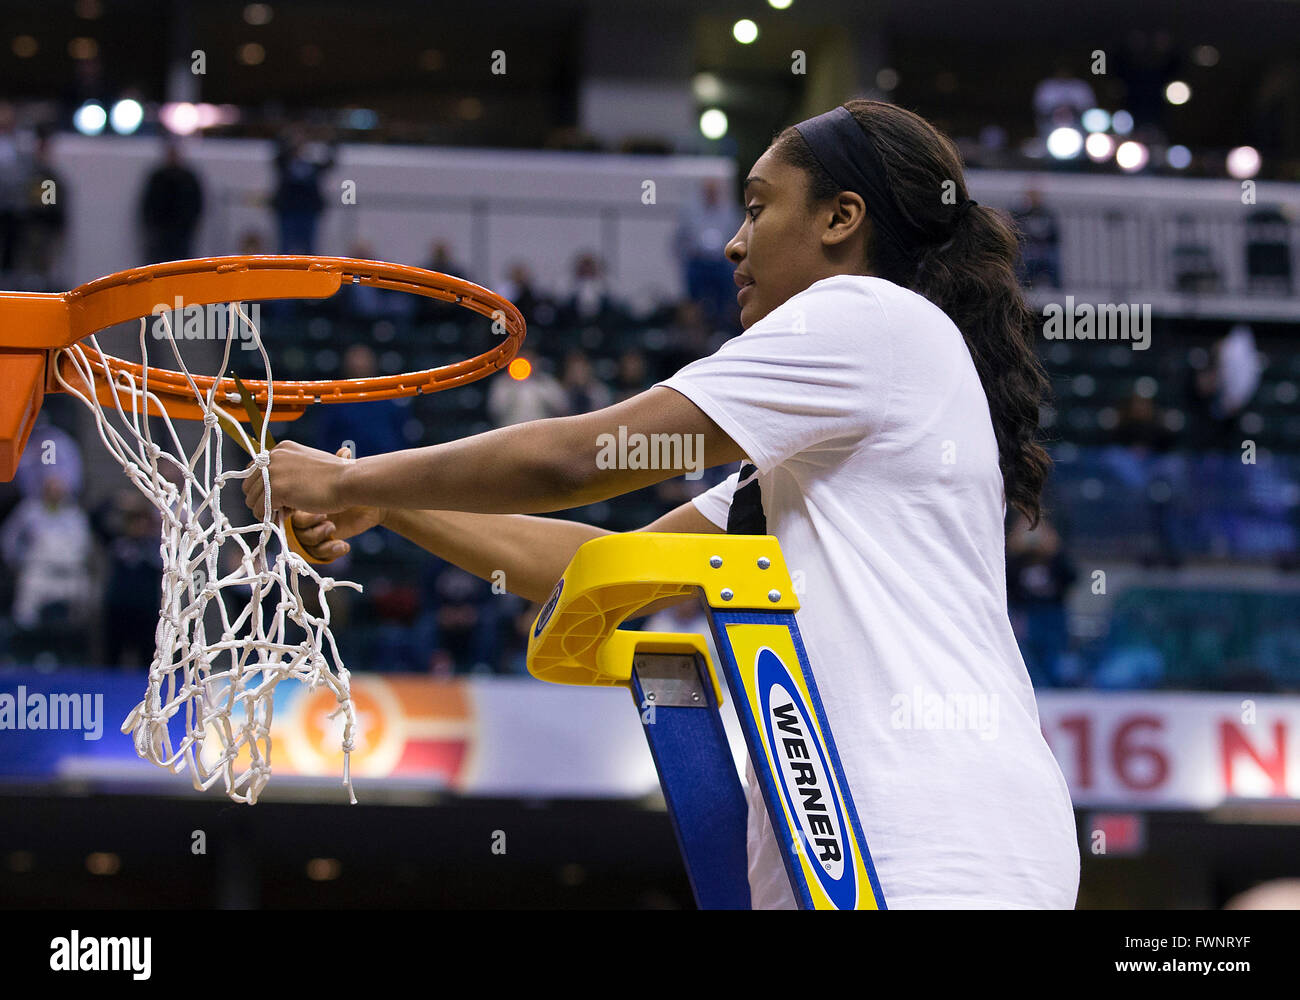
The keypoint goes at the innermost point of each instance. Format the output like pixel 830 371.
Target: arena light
pixel 1177 92
pixel 744 31
pixel 82 48
pixel 1243 162
pixel 179 119
pixel 1178 157
pixel 1205 55
pixel 126 116
pixel 779 4
pixel 324 869
pixel 520 369
pixel 713 123
pixel 707 87
pixel 103 863
pixel 1132 156
pixel 1065 143
pixel 25 46
pixel 1099 146
pixel 211 115
pixel 90 118
pixel 1096 120
pixel 1121 122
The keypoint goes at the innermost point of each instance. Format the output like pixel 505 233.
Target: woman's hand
pixel 302 479
pixel 321 535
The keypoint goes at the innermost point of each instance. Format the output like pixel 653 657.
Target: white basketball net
pixel 224 683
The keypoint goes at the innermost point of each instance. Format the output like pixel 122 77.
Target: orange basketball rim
pixel 38 326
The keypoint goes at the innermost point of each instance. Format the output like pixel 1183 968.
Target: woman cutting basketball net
pixel 883 402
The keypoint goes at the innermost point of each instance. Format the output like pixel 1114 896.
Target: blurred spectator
pixel 1039 575
pixel 50 451
pixel 584 392
pixel 1239 366
pixel 15 168
pixel 170 208
pixel 589 301
pixel 298 201
pixel 707 224
pixel 393 639
pixel 1201 388
pixel 373 427
pixel 360 301
pixel 519 289
pixel 514 657
pixel 539 395
pixel 252 243
pixel 1140 426
pixel 689 337
pixel 128 527
pixel 460 621
pixel 1221 384
pixel 1142 435
pixel 441 260
pixel 46 540
pixel 1061 99
pixel 1040 253
pixel 633 375
pixel 431 310
pixel 44 219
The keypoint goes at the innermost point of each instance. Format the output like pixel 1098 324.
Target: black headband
pixel 847 154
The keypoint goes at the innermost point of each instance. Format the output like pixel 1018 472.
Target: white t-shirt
pixel 859 404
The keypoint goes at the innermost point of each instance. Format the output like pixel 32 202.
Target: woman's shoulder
pixel 882 289
pixel 880 303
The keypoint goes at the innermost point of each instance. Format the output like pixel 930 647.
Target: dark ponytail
pixel 967 269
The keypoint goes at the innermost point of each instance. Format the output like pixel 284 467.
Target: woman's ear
pixel 848 217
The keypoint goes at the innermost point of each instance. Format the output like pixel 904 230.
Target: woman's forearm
pixel 523 553
pixel 517 469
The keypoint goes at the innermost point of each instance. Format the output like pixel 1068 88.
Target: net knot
pixel 210 419
pixel 262 460
pixel 152 450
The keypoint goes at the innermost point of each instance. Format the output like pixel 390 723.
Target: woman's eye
pixel 752 211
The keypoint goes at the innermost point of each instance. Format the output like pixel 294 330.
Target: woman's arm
pixel 529 468
pixel 532 552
